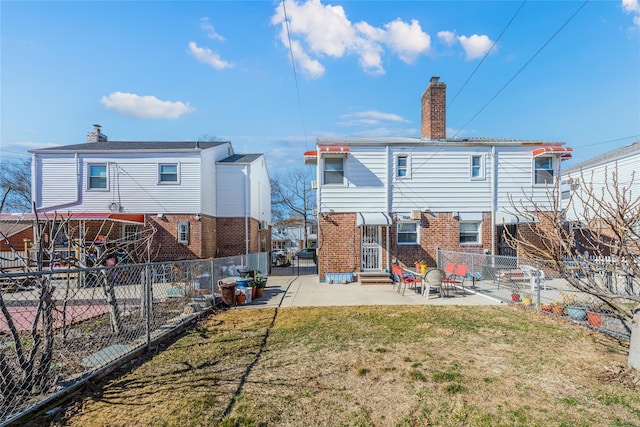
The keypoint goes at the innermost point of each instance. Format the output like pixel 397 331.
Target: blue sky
pixel 168 71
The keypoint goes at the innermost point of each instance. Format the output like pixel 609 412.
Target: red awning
pixel 312 156
pixel 78 216
pixel 563 152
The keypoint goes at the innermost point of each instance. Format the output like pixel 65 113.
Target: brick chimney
pixel 434 110
pixel 95 135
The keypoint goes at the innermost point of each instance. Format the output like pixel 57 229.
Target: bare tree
pixel 31 375
pixel 292 195
pixel 15 185
pixel 592 241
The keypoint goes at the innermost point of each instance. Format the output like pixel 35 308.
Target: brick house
pixel 203 199
pixel 399 199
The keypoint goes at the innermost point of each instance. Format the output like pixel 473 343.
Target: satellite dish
pixel 114 207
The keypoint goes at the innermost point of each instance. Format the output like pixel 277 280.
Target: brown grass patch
pixel 377 366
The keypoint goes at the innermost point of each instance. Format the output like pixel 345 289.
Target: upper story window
pixel 543 166
pixel 470 232
pixel 168 173
pixel 407 233
pixel 333 170
pixel 402 166
pixel 98 176
pixel 477 167
pixel 183 232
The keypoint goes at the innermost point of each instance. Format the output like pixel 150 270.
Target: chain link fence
pixel 530 284
pixel 60 328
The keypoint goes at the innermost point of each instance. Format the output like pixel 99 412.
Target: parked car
pixel 278 257
pixel 306 253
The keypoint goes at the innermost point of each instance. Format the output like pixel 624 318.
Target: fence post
pixel 473 269
pixel 438 258
pixel 147 303
pixel 537 279
pixel 214 281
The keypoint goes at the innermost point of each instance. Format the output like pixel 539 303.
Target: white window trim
pixel 481 176
pixel 344 171
pixel 479 231
pixel 181 224
pixel 408 166
pixel 161 182
pixel 417 242
pixel 106 165
pixel 553 171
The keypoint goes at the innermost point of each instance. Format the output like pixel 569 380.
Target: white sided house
pixel 205 200
pixel 399 199
pixel 596 176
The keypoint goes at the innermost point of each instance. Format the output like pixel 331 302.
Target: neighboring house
pixel 14 235
pixel 596 175
pixel 289 234
pixel 386 199
pixel 203 199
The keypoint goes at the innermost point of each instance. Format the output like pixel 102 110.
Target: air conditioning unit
pixel 262 225
pixel 416 215
pixel 314 212
pixel 314 185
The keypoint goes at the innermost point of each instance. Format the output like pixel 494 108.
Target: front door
pixel 504 233
pixel 371 248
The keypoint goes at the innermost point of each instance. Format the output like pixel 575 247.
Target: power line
pixel 523 67
pixel 295 74
pixel 487 53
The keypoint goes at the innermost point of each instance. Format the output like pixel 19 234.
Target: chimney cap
pixel 435 79
pixel 97 126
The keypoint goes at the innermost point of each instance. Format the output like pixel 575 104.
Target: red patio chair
pixel 404 277
pixel 457 277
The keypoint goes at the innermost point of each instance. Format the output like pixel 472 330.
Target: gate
pixel 289 265
pixel 371 246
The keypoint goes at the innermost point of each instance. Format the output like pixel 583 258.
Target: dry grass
pixel 374 366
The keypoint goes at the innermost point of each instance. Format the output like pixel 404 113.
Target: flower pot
pixel 253 292
pixel 594 318
pixel 259 292
pixel 577 312
pixel 241 299
pixel 423 268
pixel 558 310
pixel 526 301
pixel 515 297
pixel 546 308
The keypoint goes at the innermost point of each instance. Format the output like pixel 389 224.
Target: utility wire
pixel 523 67
pixel 487 53
pixel 295 74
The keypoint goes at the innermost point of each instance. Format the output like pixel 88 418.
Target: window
pixel 168 174
pixel 469 232
pixel 130 232
pixel 334 170
pixel 407 233
pixel 183 232
pixel 544 170
pixel 98 177
pixel 477 169
pixel 402 166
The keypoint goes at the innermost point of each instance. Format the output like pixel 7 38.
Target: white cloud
pixel 325 31
pixel 475 46
pixel 448 37
pixel 370 118
pixel 207 27
pixel 144 107
pixel 206 56
pixel 632 7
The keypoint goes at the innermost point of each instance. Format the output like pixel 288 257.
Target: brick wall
pixel 209 236
pixel 338 244
pixel 434 104
pixel 231 236
pixel 166 238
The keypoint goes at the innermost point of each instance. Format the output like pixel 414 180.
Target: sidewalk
pixel 298 291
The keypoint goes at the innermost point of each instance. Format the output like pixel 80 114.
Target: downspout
pixel 245 171
pixel 388 208
pixel 494 197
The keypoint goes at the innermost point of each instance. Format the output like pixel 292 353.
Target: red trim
pixel 79 216
pixel 314 153
pixel 564 152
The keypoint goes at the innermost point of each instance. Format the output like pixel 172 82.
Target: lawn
pixel 373 366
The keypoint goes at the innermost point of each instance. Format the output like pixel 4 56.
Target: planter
pixel 515 297
pixel 253 292
pixel 577 312
pixel 546 308
pixel 558 310
pixel 241 299
pixel 259 292
pixel 526 301
pixel 594 317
